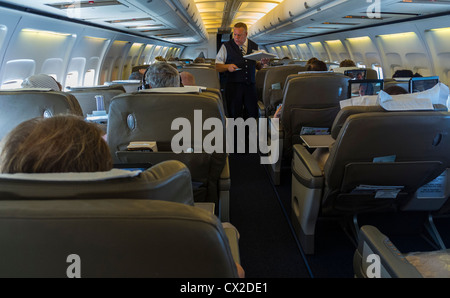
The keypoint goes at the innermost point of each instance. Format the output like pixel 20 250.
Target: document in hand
pixel 258 55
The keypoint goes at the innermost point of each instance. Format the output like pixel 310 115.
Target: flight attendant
pixel 240 90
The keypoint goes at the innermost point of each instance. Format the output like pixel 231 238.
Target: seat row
pixel 174 238
pixel 148 117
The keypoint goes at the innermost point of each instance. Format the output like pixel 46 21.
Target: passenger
pixel 63 143
pixel 160 58
pixel 41 81
pixel 278 112
pixel 161 74
pixel 317 65
pixel 240 90
pixel 136 76
pixel 311 60
pixel 405 73
pixel 347 63
pixel 199 60
pixel 187 79
pixel 395 90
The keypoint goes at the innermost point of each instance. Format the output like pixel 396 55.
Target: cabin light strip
pixel 96 38
pixel 336 41
pixel 397 35
pixel 446 29
pixel 29 30
pixel 361 38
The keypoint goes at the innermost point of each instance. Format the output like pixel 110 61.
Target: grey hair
pixel 162 74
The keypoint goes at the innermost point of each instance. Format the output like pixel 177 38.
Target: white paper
pixel 258 55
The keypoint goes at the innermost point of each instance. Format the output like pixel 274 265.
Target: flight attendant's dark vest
pixel 234 56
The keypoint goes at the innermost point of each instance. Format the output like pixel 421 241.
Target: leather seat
pixel 113 238
pixel 19 105
pixel 274 83
pixel 148 116
pixel 396 264
pixel 394 153
pixel 204 76
pixel 86 96
pixel 310 99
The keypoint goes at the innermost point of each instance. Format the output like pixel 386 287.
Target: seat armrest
pixel 372 241
pixel 261 109
pixel 233 239
pixel 224 181
pixel 306 169
pixel 308 160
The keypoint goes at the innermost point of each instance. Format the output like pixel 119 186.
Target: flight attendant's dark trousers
pixel 242 103
pixel 241 100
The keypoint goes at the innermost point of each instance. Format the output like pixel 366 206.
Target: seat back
pixel 274 83
pixel 311 100
pixel 20 105
pixel 400 151
pixel 86 96
pixel 204 76
pixel 112 238
pixel 148 117
pixel 130 86
pixel 260 76
pixel 166 181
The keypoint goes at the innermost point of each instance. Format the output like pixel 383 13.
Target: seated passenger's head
pixel 64 143
pixel 317 65
pixel 403 73
pixel 199 60
pixel 187 79
pixel 160 58
pixel 162 74
pixel 41 81
pixel 135 76
pixel 311 60
pixel 347 63
pixel 395 90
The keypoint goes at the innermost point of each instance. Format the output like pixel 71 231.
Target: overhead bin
pixel 293 14
pixel 182 15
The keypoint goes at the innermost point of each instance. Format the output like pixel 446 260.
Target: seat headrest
pixel 167 181
pixel 185 89
pixel 319 72
pixel 72 176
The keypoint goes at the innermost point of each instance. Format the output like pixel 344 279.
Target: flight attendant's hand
pixel 232 67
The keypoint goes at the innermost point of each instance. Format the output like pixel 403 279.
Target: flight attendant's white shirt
pixel 222 54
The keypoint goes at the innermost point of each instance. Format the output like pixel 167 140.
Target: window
pixel 72 79
pixel 379 70
pixel 89 77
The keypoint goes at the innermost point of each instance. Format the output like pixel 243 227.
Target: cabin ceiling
pixel 270 21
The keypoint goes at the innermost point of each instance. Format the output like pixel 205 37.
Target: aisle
pixel 267 246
